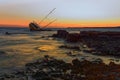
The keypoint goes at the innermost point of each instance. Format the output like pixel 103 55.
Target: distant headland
pixel 93 27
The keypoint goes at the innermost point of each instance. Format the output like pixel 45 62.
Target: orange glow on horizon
pixel 80 13
pixel 62 23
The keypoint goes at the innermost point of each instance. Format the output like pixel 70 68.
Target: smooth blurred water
pixel 24 46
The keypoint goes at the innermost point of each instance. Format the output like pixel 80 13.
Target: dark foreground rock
pixel 48 68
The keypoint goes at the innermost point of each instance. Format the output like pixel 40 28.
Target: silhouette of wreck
pixel 34 26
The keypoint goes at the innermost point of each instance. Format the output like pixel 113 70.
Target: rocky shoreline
pixel 49 68
pixel 99 43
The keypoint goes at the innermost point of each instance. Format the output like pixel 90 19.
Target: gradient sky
pixel 69 13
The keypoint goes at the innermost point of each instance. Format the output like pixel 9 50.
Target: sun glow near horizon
pixel 69 13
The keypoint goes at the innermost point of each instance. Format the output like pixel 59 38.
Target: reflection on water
pixel 18 49
pixel 47 48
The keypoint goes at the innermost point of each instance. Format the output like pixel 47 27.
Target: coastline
pixel 98 43
pixel 60 45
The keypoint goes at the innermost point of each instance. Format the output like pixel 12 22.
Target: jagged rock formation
pixel 48 68
pixel 100 43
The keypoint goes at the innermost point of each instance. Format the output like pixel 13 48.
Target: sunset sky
pixel 69 13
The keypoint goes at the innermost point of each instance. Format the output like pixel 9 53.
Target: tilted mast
pixel 46 16
pixel 50 23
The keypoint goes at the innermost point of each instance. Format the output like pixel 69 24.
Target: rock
pixel 2 53
pixel 46 56
pixel 98 61
pixel 70 47
pixel 40 75
pixel 112 64
pixel 76 62
pixel 73 37
pixel 62 34
pixel 69 37
pixel 7 33
pixel 71 54
pixel 55 69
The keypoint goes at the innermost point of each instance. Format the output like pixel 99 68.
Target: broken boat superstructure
pixel 34 26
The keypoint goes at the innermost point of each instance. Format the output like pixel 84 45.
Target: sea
pixel 22 46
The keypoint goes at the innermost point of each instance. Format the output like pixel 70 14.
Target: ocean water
pixel 23 46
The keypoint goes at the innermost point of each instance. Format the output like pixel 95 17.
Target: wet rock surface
pixel 70 47
pixel 102 43
pixel 99 43
pixel 69 37
pixel 49 68
pixel 61 34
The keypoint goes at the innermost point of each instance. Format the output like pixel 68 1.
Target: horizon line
pixel 18 26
